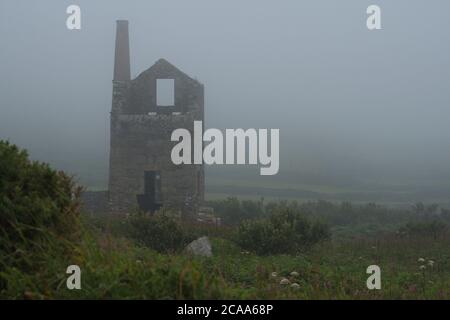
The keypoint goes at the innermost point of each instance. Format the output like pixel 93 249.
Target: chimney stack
pixel 122 57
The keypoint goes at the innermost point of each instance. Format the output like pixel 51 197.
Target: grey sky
pixel 366 104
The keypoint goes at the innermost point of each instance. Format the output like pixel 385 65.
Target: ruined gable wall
pixel 141 141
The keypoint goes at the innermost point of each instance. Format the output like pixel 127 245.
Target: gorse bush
pixel 39 213
pixel 284 232
pixel 160 231
pixel 35 202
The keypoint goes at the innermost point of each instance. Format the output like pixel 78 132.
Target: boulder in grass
pixel 200 247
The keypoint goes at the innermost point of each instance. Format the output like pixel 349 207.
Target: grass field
pixel 114 267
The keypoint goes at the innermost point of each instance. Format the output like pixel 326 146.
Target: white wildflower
pixel 295 286
pixel 430 263
pixel 422 267
pixel 421 260
pixel 284 281
pixel 294 274
pixel 274 275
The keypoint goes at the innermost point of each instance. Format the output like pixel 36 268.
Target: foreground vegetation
pixel 117 268
pixel 276 250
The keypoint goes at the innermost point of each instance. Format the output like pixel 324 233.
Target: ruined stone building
pixel 141 173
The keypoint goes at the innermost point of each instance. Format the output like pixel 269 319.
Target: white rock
pixel 200 247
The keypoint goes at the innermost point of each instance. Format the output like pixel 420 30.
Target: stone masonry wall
pixel 140 139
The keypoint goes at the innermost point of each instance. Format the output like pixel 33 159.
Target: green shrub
pixel 161 232
pixel 285 232
pixel 39 209
pixel 232 210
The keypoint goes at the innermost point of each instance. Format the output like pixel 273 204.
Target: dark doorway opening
pixel 151 200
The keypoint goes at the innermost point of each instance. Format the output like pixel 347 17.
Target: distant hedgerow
pixel 434 228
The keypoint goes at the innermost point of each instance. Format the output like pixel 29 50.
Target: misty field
pixel 260 250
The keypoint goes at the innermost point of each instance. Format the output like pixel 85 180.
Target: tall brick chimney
pixel 122 57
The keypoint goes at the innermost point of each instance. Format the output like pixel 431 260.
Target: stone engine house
pixel 141 172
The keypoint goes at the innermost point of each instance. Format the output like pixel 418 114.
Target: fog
pixel 364 107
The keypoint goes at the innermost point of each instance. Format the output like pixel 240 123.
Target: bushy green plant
pixel 160 231
pixel 285 232
pixel 39 209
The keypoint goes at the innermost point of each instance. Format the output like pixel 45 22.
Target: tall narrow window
pixel 165 92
